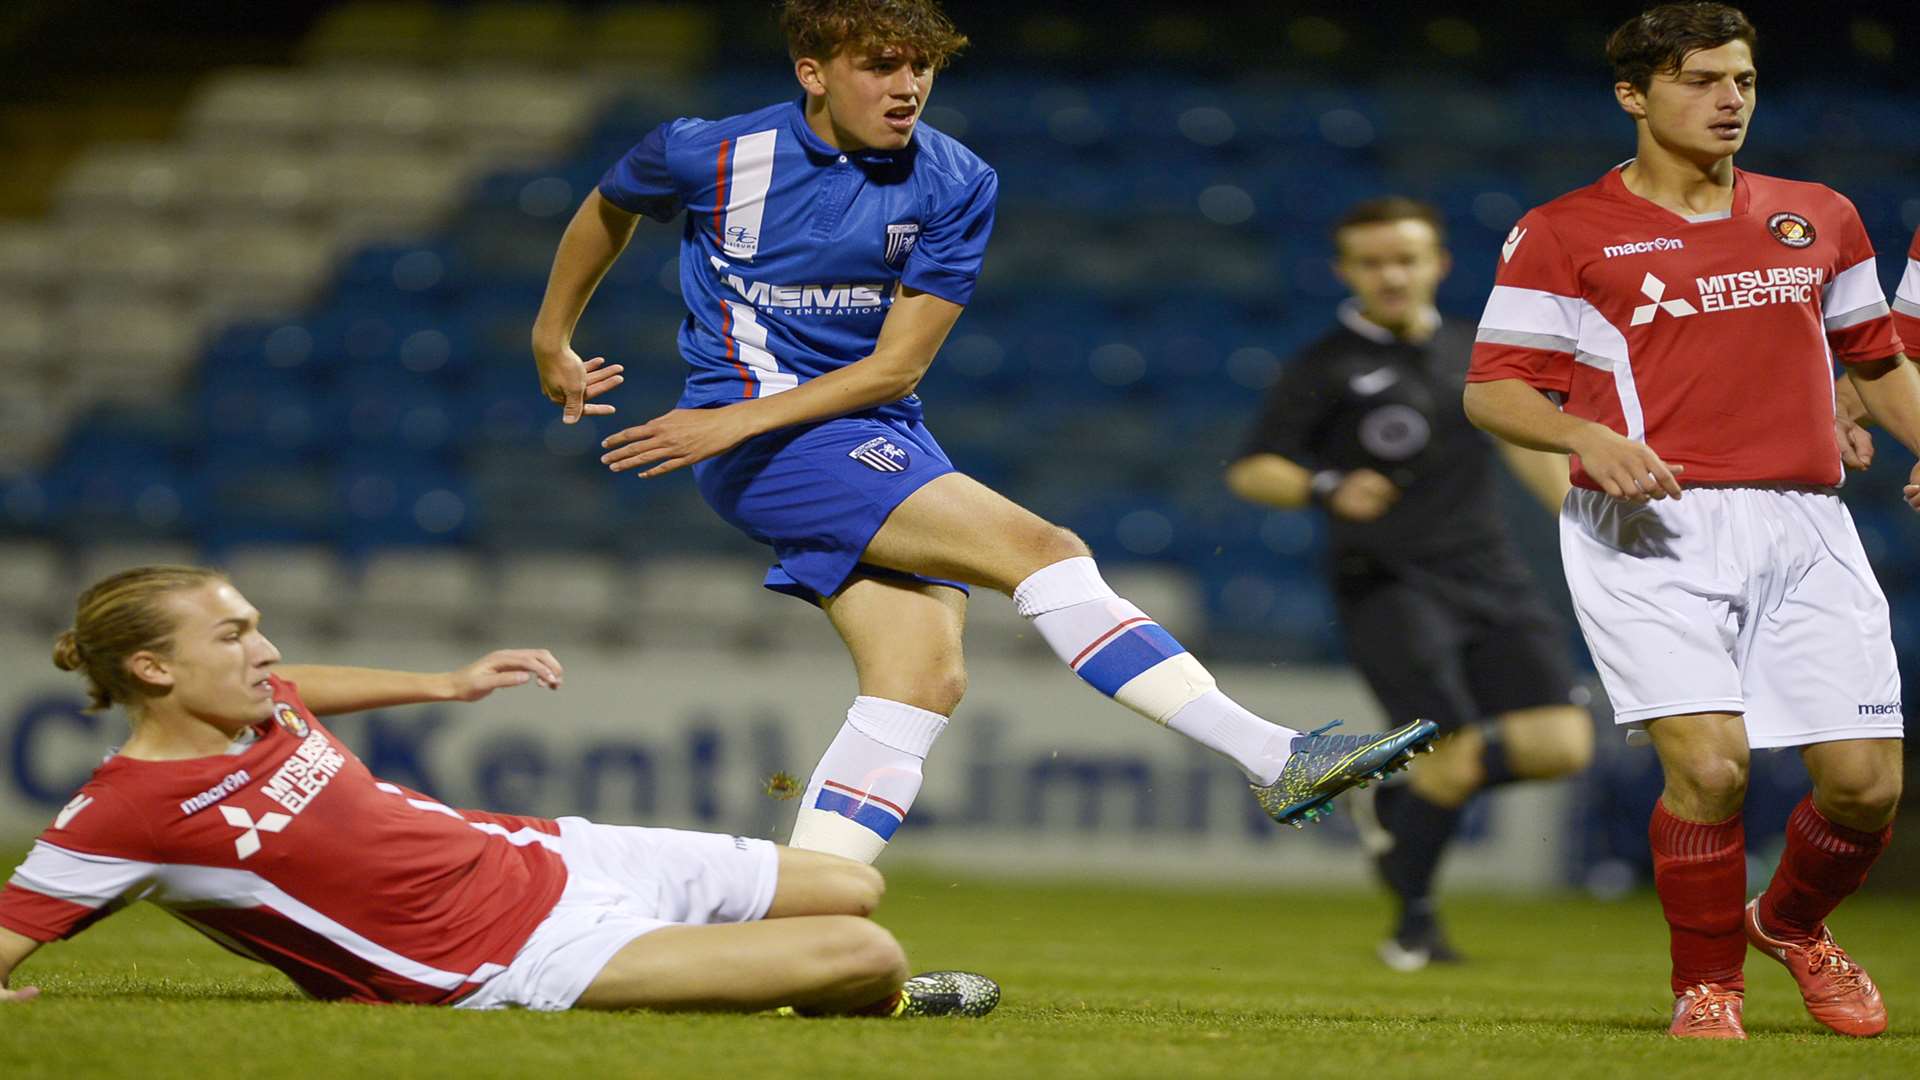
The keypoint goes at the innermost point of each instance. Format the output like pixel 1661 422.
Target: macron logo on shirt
pixel 72 810
pixel 1664 243
pixel 1512 243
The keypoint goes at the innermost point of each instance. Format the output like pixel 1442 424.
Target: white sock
pixel 866 781
pixel 1127 656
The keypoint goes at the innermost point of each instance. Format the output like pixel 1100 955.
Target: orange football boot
pixel 1837 991
pixel 1706 1011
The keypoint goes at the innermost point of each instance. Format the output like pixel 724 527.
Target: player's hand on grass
pixel 572 384
pixel 1363 495
pixel 25 993
pixel 1856 443
pixel 1624 468
pixel 503 668
pixel 675 440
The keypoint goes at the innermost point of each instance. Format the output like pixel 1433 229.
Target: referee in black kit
pixel 1439 611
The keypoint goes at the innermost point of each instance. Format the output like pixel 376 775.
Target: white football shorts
pixel 1734 599
pixel 623 882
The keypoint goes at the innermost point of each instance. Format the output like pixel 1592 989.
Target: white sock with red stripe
pixel 1127 656
pixel 866 781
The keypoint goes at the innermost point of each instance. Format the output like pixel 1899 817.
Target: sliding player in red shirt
pixel 1672 326
pixel 235 809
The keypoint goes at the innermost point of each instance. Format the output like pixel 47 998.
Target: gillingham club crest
pixel 881 455
pixel 900 240
pixel 1791 229
pixel 289 718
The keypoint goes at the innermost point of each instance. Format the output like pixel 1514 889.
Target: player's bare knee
pixel 1054 544
pixel 862 952
pixel 1716 779
pixel 1566 746
pixel 1865 802
pixel 863 888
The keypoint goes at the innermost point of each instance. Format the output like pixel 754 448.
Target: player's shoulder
pixel 103 818
pixel 696 132
pixel 1781 189
pixel 946 157
pixel 1572 208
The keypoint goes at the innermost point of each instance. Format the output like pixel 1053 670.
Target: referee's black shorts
pixel 1456 641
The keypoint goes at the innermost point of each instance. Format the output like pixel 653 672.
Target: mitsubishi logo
pixel 1653 289
pixel 249 841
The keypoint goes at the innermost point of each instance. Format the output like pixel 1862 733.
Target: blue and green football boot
pixel 1323 766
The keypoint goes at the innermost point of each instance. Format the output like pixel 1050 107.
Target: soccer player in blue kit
pixel 829 245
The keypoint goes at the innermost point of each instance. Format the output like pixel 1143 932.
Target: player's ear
pixel 151 669
pixel 1446 263
pixel 1632 100
pixel 807 71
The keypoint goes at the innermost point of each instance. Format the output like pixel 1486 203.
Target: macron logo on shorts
pixel 881 455
pixel 1889 709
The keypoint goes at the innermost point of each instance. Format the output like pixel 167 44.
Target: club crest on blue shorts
pixel 881 455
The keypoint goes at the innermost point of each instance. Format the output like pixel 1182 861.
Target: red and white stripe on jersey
pixel 291 853
pixel 1710 339
pixel 1906 300
pixel 743 174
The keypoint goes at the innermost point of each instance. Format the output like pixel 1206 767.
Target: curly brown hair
pixel 822 28
pixel 1658 41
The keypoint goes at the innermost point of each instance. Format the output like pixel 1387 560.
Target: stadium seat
pixel 405 32
pixel 506 32
pixel 696 601
pixel 298 585
pixel 131 256
pixel 118 180
pixel 251 269
pixel 32 259
pixel 648 38
pixel 423 591
pixel 99 561
pixel 256 106
pixel 564 599
pixel 33 585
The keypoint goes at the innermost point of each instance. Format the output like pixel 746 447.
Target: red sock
pixel 1823 864
pixel 1700 872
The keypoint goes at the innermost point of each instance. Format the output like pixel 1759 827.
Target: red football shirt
pixel 1906 299
pixel 1711 340
pixel 291 853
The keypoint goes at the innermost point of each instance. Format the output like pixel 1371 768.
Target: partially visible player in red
pixel 1906 309
pixel 1672 327
pixel 235 809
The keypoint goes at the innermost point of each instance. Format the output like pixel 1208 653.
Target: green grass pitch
pixel 1100 981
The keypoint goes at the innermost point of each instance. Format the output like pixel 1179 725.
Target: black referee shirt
pixel 1360 398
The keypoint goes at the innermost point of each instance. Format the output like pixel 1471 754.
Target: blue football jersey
pixel 791 248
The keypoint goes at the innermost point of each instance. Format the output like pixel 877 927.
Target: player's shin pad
pixel 1165 688
pixel 823 830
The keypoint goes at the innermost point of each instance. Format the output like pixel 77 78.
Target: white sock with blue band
pixel 866 781
pixel 1121 652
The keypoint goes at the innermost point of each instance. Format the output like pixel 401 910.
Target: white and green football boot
pixel 948 993
pixel 1323 766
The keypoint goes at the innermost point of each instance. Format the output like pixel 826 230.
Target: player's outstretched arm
pixel 1520 414
pixel 594 238
pixel 330 691
pixel 1271 480
pixel 1890 390
pixel 15 948
pixel 915 328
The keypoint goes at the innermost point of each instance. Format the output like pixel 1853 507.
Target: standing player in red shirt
pixel 1677 321
pixel 232 807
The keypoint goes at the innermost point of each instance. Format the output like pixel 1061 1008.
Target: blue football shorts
pixel 817 494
